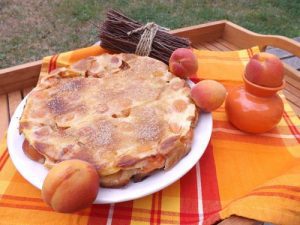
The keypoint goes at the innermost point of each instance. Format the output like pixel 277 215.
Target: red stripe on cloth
pixel 209 184
pixel 153 209
pixel 189 198
pixel 4 160
pixel 3 154
pixel 52 64
pixel 98 214
pixel 159 207
pixel 291 126
pixel 122 213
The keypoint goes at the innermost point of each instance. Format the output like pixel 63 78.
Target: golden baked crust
pixel 125 114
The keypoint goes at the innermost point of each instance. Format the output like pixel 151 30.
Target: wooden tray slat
pixel 293 89
pixel 14 98
pixel 292 98
pixel 198 46
pixel 293 81
pixel 19 77
pixel 220 47
pixel 203 32
pixel 227 44
pixel 244 38
pixel 295 107
pixel 4 115
pixel 217 45
pixel 210 46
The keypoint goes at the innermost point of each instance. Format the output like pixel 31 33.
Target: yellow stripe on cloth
pixel 8 169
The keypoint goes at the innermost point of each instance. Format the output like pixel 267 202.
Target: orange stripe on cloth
pixel 21 198
pixel 275 194
pixel 29 206
pixel 22 206
pixel 286 187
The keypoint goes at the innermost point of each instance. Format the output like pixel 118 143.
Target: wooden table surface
pixel 285 56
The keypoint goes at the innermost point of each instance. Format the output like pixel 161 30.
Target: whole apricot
pixel 265 69
pixel 71 185
pixel 208 95
pixel 183 63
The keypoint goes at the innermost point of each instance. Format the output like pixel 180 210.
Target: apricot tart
pixel 125 114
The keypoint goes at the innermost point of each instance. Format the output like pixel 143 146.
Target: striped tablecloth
pixel 254 176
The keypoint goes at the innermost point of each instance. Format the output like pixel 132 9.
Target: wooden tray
pixel 16 82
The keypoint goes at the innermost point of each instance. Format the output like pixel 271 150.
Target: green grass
pixel 32 29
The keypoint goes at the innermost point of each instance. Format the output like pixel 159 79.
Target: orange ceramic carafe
pixel 253 108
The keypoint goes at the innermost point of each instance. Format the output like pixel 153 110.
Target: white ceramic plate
pixel 35 173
